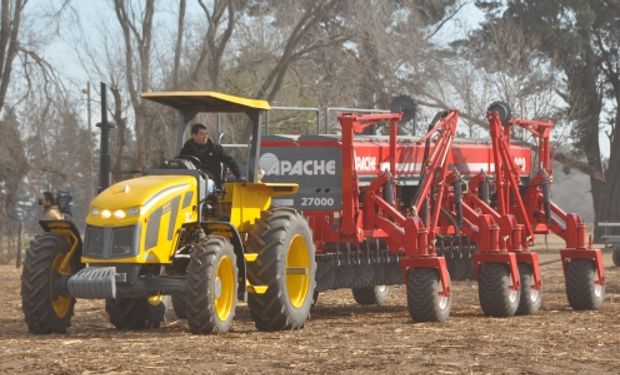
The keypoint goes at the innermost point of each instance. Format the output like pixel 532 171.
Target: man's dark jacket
pixel 211 155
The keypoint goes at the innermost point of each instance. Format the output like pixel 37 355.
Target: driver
pixel 211 154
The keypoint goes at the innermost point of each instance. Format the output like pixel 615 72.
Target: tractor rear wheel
pixel 211 286
pixel 616 257
pixel 135 313
pixel 285 264
pixel 46 309
pixel 424 300
pixel 374 295
pixel 498 297
pixel 583 292
pixel 179 306
pixel 531 298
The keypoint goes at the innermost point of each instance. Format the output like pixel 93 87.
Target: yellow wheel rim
pixel 298 271
pixel 224 288
pixel 60 304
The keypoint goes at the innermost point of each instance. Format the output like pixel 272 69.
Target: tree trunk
pixel 585 109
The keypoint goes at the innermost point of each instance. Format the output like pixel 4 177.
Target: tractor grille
pixel 111 242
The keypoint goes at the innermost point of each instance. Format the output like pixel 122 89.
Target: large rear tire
pixel 285 263
pixel 531 298
pixel 424 300
pixel 498 298
pixel 135 313
pixel 581 288
pixel 211 286
pixel 374 295
pixel 45 308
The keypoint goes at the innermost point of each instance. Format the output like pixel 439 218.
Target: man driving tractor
pixel 210 154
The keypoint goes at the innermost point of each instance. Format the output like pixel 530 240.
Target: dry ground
pixel 341 337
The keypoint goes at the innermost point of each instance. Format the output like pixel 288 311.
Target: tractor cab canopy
pixel 206 101
pixel 190 103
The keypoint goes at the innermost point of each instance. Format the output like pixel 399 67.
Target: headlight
pixel 119 214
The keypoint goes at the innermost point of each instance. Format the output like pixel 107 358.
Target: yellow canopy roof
pixel 205 101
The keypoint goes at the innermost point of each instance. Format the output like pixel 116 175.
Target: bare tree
pixel 178 46
pixel 221 20
pixel 137 31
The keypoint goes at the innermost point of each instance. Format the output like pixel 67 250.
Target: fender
pixel 68 230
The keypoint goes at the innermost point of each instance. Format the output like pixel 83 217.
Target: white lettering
pixel 273 166
pixel 366 163
pixel 285 166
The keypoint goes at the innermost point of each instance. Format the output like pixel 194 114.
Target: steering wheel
pixel 191 158
pixel 198 164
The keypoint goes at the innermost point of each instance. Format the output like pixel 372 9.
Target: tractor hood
pixel 128 201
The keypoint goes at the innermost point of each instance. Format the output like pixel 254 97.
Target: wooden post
pixel 18 258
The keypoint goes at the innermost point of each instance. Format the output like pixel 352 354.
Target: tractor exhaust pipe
pixel 105 160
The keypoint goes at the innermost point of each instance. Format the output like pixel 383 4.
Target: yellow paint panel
pixel 246 201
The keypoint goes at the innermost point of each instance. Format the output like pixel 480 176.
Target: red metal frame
pixel 531 211
pixel 407 233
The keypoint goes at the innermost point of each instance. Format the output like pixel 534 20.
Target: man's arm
pixel 230 162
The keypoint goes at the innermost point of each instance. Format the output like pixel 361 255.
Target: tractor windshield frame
pixel 189 103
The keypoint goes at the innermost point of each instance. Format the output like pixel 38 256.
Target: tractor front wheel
pixel 424 298
pixel 582 289
pixel 285 264
pixel 135 313
pixel 211 286
pixel 46 308
pixel 498 298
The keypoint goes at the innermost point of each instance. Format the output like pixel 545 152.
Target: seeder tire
pixel 211 286
pixel 423 299
pixel 497 297
pixel 179 306
pixel 616 257
pixel 531 298
pixel 134 313
pixel 286 265
pixel 581 288
pixel 371 295
pixel 45 310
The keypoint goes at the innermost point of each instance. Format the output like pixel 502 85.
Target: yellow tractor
pixel 164 233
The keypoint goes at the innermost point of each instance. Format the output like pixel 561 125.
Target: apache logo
pixel 273 166
pixel 365 163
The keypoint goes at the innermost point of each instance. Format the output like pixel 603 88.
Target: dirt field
pixel 341 337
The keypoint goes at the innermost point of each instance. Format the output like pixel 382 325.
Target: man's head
pixel 48 199
pixel 200 134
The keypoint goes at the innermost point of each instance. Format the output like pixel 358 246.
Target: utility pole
pixel 91 161
pixel 105 174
